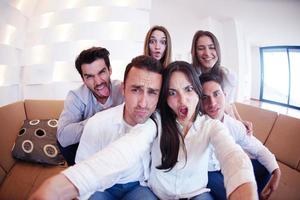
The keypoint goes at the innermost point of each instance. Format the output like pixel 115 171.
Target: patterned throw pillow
pixel 36 142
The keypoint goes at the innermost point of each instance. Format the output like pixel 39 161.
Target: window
pixel 280 79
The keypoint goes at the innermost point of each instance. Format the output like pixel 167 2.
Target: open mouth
pixel 156 54
pixel 183 111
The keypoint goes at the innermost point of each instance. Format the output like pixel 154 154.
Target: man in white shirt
pixel 266 169
pixel 141 88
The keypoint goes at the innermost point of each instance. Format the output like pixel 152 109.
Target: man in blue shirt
pixel 97 93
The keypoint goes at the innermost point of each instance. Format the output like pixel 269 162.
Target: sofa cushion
pixel 2 175
pixel 36 142
pixel 43 109
pixel 46 172
pixel 20 178
pixel 11 120
pixel 23 177
pixel 289 184
pixel 284 140
pixel 263 120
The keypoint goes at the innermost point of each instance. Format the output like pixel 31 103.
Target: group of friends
pixel 170 130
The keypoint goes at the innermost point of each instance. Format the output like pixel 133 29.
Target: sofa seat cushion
pixel 24 177
pixel 46 172
pixel 289 184
pixel 2 175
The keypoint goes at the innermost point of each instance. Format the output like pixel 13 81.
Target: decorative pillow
pixel 36 142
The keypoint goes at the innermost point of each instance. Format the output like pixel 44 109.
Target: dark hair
pixel 211 77
pixel 90 55
pixel 166 59
pixel 143 62
pixel 216 69
pixel 171 135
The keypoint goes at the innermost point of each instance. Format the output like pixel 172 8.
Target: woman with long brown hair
pixel 158 44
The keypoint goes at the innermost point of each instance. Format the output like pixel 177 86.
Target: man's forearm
pixel 56 187
pixel 246 191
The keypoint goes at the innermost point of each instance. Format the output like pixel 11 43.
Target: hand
pixel 249 127
pixel 271 186
pixel 56 187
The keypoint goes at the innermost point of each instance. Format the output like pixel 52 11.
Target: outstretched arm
pixel 235 164
pixel 103 169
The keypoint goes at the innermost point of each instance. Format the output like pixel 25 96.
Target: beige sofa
pixel 18 179
pixel 281 134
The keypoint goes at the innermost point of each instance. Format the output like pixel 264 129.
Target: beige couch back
pixel 284 140
pixel 263 120
pixel 43 109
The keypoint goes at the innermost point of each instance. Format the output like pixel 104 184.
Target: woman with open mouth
pixel 158 44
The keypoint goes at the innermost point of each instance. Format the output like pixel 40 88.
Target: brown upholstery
pixel 43 109
pixel 18 179
pixel 11 119
pixel 281 134
pixel 289 184
pixel 263 120
pixel 2 175
pixel 45 173
pixel 284 140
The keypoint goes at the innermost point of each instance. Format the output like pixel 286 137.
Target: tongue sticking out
pixel 103 90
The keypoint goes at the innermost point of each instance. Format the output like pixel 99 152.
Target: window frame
pixel 275 48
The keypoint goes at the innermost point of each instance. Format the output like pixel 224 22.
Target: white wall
pixel 12 28
pixel 39 40
pixel 240 25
